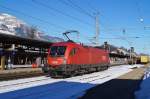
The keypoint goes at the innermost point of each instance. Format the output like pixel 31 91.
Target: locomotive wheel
pixel 66 75
pixel 97 69
pixel 73 73
pixel 69 74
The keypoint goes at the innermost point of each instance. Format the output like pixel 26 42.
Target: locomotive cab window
pixel 73 51
pixel 57 51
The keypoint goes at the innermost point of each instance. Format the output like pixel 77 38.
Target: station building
pixel 18 51
pixel 120 55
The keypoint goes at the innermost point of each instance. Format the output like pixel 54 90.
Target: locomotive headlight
pixel 64 61
pixel 55 62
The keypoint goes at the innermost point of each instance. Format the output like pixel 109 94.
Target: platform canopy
pixel 12 39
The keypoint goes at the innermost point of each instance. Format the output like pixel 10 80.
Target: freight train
pixel 67 59
pixel 144 59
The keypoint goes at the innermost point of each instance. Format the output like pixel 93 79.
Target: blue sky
pixel 115 15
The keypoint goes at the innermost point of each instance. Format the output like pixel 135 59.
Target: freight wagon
pixel 144 59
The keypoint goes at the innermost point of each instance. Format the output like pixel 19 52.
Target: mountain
pixel 11 25
pixel 8 23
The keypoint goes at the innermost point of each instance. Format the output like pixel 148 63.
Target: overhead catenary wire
pixel 120 37
pixel 54 9
pixel 121 29
pixel 91 6
pixel 35 18
pixel 60 12
pixel 81 9
pixel 77 8
pixel 44 21
pixel 72 4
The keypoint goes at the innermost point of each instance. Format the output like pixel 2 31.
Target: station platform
pixel 20 73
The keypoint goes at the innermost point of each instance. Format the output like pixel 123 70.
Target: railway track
pixel 59 85
pixel 18 75
pixel 85 79
pixel 24 74
pixel 56 85
pixel 50 88
pixel 21 83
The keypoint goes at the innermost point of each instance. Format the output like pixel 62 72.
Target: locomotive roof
pixel 74 44
pixel 64 43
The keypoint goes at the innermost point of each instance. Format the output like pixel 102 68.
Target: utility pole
pixel 131 55
pixel 97 29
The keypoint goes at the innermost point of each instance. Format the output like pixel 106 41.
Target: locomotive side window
pixel 57 50
pixel 73 51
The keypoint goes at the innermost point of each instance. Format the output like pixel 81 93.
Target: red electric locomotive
pixel 69 59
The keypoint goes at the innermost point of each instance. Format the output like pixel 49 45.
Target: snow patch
pixel 48 88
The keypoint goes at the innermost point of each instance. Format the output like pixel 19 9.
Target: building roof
pixel 12 39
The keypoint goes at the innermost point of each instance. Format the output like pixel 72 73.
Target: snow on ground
pixel 49 88
pixel 7 86
pixel 144 92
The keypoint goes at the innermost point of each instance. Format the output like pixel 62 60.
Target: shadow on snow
pixel 113 89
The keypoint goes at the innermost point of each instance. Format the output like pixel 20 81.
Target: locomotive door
pixel 73 56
